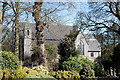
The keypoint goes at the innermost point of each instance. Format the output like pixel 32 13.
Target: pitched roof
pixel 89 36
pixel 54 32
pixel 93 44
pixel 57 31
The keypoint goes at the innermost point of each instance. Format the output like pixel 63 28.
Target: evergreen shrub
pixel 1 74
pixel 98 68
pixel 9 61
pixel 87 72
pixel 65 75
pixel 76 64
pixel 41 69
pixel 19 73
pixel 83 66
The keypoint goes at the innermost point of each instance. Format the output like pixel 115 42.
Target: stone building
pixel 87 44
pixel 89 47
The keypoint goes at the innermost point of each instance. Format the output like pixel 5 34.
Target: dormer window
pixel 28 32
pixel 92 54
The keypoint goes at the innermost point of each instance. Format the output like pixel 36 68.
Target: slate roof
pixel 56 32
pixel 52 32
pixel 92 43
pixel 89 36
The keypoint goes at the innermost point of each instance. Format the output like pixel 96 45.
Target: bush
pixel 81 65
pixel 65 75
pixel 87 72
pixel 6 73
pixel 76 64
pixel 66 48
pixel 19 73
pixel 40 76
pixel 41 69
pixel 9 61
pixel 1 74
pixel 51 52
pixel 22 72
pixel 98 68
pixel 52 55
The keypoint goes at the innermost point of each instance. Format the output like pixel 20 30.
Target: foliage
pixel 116 58
pixel 19 73
pixel 9 60
pixel 98 68
pixel 38 57
pixel 66 48
pixel 6 73
pixel 87 72
pixel 51 52
pixel 76 64
pixel 107 42
pixel 1 74
pixel 23 72
pixel 52 55
pixel 65 75
pixel 40 76
pixel 39 27
pixel 107 51
pixel 41 69
pixel 0 60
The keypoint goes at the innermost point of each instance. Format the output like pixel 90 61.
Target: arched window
pixel 28 32
pixel 92 54
pixel 81 48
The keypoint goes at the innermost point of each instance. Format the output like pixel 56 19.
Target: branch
pixel 117 10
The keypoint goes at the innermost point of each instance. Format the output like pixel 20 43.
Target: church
pixel 88 46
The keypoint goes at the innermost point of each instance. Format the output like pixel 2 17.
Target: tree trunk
pixel 0 26
pixel 41 55
pixel 17 45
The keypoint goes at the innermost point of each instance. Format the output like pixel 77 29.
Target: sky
pixel 79 6
pixel 66 16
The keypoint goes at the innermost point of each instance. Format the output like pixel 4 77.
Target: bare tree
pixel 101 15
pixel 103 19
pixel 17 14
pixel 41 21
pixel 42 15
pixel 11 13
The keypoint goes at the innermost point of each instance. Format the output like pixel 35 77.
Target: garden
pixel 74 68
pixel 29 54
pixel 69 67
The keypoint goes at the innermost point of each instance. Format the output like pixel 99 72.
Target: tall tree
pixel 66 47
pixel 116 59
pixel 17 14
pixel 101 15
pixel 40 53
pixel 11 13
pixel 107 15
pixel 0 25
pixel 103 18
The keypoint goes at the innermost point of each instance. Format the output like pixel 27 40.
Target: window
pixel 92 54
pixel 27 32
pixel 81 48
